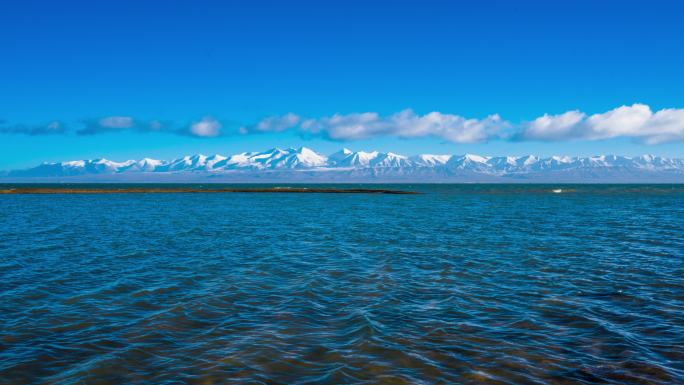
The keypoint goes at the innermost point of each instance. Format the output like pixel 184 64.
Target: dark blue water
pixel 462 284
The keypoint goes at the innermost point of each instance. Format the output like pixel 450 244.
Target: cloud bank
pixel 206 127
pixel 637 122
pixel 273 124
pixel 52 128
pixel 109 124
pixel 405 124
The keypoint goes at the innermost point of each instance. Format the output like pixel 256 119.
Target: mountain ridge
pixel 305 164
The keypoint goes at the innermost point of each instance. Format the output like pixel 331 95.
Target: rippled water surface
pixel 461 284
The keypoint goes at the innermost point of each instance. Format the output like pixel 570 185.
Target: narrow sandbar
pixel 142 190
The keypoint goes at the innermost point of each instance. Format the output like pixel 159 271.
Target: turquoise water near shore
pixel 502 284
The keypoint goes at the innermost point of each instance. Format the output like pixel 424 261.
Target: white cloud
pixel 622 121
pixel 207 127
pixel 273 124
pixel 405 124
pixel 111 124
pixel 635 121
pixel 116 122
pixel 553 127
pixel 346 127
pixel 667 125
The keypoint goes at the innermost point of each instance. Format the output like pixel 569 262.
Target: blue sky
pixel 73 64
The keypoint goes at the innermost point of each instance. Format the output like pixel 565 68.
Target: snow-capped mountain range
pixel 305 165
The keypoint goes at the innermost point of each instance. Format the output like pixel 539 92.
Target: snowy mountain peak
pixel 389 160
pixel 475 158
pixel 347 158
pixel 430 160
pixel 73 163
pixel 307 157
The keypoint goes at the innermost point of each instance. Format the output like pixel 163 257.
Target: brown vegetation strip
pixel 46 190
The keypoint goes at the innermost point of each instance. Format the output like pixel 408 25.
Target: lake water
pixel 503 284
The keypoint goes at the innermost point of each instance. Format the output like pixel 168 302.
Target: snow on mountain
pixel 276 158
pixel 340 158
pixel 146 165
pixel 657 162
pixel 239 160
pixel 216 161
pixel 301 158
pixel 390 160
pixel 470 162
pixel 291 163
pixel 347 158
pixel 430 160
pixel 525 161
pixel 78 167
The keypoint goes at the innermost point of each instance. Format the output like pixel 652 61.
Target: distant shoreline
pixel 51 190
